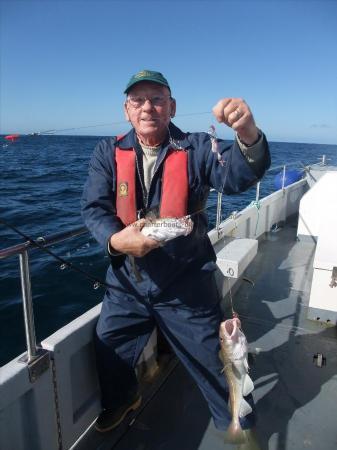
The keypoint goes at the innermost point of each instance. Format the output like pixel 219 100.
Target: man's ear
pixel 173 107
pixel 126 114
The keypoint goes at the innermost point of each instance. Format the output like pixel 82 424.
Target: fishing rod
pixel 64 263
pixel 67 264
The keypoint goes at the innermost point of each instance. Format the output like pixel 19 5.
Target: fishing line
pixel 66 264
pixel 112 123
pixel 234 314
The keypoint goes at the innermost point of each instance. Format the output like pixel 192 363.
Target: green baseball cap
pixel 147 75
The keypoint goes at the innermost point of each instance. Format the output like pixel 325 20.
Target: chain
pixel 57 409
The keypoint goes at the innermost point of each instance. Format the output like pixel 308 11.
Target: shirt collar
pixel 130 139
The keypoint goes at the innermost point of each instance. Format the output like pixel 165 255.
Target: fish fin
pixel 254 350
pixel 248 385
pixel 235 434
pixel 245 408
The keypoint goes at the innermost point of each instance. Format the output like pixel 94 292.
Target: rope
pixel 233 217
pixel 257 205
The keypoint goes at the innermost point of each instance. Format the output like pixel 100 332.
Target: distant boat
pixel 12 137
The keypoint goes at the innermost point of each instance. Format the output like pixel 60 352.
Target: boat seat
pixel 323 293
pixel 235 257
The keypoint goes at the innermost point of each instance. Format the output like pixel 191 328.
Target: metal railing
pixel 22 250
pixel 282 167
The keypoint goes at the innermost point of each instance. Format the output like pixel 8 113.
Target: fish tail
pixel 235 434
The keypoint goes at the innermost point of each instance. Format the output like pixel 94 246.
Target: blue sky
pixel 65 64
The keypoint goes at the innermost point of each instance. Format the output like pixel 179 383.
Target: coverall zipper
pixel 146 193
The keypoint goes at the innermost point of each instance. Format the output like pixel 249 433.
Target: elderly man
pixel 158 170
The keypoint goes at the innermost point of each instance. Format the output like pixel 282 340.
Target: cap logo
pixel 123 189
pixel 143 73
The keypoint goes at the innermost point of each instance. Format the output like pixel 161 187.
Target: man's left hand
pixel 235 113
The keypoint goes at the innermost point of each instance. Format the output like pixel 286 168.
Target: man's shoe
pixel 110 419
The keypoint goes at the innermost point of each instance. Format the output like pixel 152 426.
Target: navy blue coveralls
pixel 177 291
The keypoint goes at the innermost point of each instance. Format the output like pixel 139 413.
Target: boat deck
pixel 296 400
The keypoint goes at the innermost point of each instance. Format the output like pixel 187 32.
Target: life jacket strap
pixel 126 206
pixel 174 192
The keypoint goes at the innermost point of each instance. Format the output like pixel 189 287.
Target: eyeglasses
pixel 157 100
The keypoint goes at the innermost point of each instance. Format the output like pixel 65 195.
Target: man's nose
pixel 147 104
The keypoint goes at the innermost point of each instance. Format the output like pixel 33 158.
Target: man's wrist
pixel 111 250
pixel 250 142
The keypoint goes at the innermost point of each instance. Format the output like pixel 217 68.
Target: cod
pixel 233 354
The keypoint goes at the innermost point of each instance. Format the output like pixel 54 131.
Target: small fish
pixel 233 354
pixel 166 229
pixel 215 146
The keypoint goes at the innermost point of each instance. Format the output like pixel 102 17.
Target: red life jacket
pixel 174 191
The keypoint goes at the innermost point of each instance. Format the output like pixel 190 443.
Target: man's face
pixel 149 108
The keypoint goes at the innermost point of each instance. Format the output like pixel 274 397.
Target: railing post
pixel 218 211
pixel 283 176
pixel 27 306
pixel 257 198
